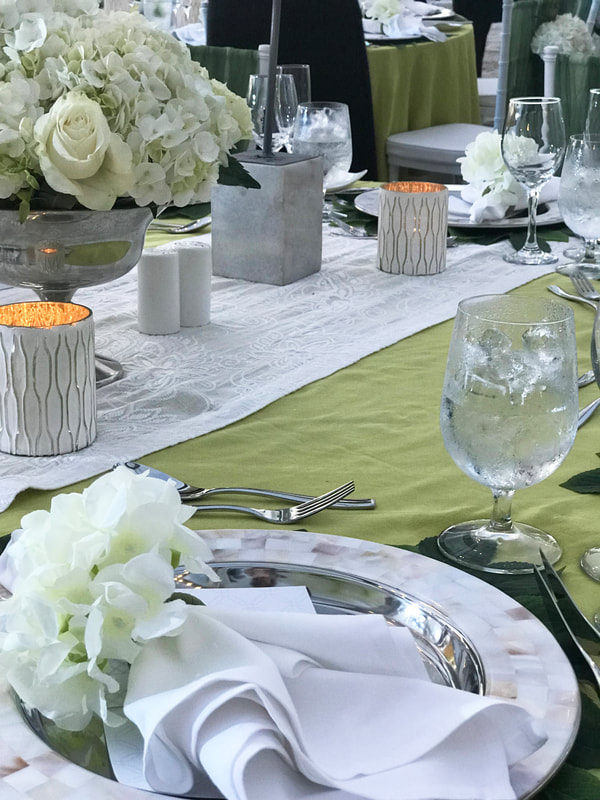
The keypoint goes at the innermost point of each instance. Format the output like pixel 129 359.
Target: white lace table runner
pixel 263 342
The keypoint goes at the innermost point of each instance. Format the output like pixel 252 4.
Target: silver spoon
pixel 586 412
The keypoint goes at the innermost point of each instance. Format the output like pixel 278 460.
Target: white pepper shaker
pixel 195 273
pixel 158 292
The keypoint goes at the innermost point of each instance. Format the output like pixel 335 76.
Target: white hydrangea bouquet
pixel 101 107
pixel 490 188
pixel 92 582
pixel 570 34
pixel 385 10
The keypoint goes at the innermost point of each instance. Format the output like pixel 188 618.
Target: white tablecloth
pixel 263 342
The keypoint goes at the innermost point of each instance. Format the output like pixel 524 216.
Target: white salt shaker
pixel 158 292
pixel 195 273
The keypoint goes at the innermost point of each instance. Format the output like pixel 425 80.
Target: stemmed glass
pixel 508 419
pixel 533 145
pixel 323 129
pixel 301 75
pixel 579 193
pixel 592 121
pixel 286 105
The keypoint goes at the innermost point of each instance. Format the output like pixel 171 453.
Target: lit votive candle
pixel 413 228
pixel 47 378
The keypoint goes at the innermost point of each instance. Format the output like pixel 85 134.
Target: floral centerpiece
pixel 490 185
pixel 92 582
pixel 385 10
pixel 101 107
pixel 570 34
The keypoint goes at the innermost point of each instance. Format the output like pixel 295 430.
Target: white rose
pixel 79 155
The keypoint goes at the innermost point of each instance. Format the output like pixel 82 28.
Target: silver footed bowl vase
pixel 57 252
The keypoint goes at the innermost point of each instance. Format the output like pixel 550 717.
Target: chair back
pixel 327 35
pixel 230 65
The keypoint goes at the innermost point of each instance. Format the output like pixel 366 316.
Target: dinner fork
pixel 583 286
pixel 287 516
pixel 188 492
pixel 188 227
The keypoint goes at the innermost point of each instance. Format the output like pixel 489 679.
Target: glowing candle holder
pixel 413 228
pixel 47 378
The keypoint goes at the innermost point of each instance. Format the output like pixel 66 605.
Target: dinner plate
pixel 384 38
pixel 341 180
pixel 505 651
pixel 549 214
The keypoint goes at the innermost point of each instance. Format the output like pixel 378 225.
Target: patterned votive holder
pixel 47 378
pixel 413 228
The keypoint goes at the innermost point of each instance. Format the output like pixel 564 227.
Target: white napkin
pixel 262 705
pixel 493 206
pixel 406 24
pixel 194 33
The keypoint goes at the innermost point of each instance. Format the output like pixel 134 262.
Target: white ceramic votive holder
pixel 413 228
pixel 47 378
pixel 158 292
pixel 195 275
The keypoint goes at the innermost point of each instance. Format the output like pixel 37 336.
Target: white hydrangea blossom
pixel 90 581
pixel 170 124
pixel 489 182
pixel 381 10
pixel 570 34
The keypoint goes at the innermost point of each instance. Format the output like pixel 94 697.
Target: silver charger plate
pixel 469 633
pixel 368 203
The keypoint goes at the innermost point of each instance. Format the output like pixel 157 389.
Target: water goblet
pixel 323 129
pixel 579 195
pixel 508 419
pixel 533 146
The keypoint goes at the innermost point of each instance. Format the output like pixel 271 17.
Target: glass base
pixel 472 545
pixel 530 257
pixel 107 370
pixel 578 254
pixel 590 563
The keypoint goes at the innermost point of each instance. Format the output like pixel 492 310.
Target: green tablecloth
pixel 377 422
pixel 422 84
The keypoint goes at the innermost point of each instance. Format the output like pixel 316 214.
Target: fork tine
pixel 317 504
pixel 340 491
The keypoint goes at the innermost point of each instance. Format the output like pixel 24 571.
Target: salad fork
pixel 287 516
pixel 583 286
pixel 188 492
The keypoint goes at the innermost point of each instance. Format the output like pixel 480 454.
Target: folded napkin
pixel 478 208
pixel 407 24
pixel 255 705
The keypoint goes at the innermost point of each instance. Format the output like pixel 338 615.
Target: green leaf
pixel 235 174
pixel 195 211
pixel 571 783
pixel 190 599
pixel 584 482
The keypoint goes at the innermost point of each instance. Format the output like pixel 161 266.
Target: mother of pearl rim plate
pixel 368 203
pixel 521 660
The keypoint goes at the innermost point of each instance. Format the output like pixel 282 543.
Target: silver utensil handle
pixel 586 412
pixel 291 496
pixel 224 507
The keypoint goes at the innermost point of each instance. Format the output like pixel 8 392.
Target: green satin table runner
pixel 418 85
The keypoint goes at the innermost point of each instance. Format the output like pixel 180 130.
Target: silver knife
pixel 200 493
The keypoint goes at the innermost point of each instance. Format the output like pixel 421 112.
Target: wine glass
pixel 592 121
pixel 285 108
pixel 301 75
pixel 323 129
pixel 508 419
pixel 533 145
pixel 579 193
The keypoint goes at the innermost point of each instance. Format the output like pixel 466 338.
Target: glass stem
pixel 501 513
pixel 590 250
pixel 531 242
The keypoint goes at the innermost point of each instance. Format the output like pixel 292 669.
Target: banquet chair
pixel 326 35
pixel 571 78
pixel 230 65
pixel 520 73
